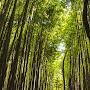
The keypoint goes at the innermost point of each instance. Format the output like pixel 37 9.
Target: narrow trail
pixel 44 45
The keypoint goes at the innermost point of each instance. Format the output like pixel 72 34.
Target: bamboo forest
pixel 44 44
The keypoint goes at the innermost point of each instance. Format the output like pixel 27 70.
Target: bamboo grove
pixel 30 33
pixel 77 53
pixel 24 30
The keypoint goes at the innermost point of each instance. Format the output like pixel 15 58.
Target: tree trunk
pixel 85 19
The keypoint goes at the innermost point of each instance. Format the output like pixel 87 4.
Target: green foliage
pixel 30 33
